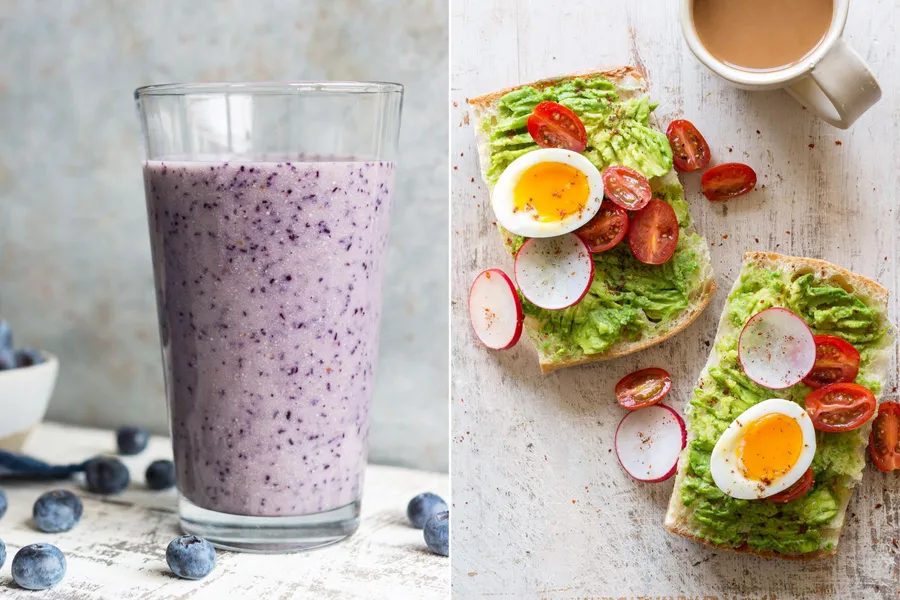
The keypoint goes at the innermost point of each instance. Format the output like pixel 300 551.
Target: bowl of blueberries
pixel 27 378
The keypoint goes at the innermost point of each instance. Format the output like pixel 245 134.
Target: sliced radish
pixel 495 310
pixel 554 273
pixel 777 348
pixel 648 442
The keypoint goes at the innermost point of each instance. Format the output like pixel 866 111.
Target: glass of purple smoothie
pixel 268 206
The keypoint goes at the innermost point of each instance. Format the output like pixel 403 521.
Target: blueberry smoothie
pixel 268 280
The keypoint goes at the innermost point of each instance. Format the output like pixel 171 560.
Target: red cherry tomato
pixel 798 490
pixel 836 361
pixel 626 187
pixel 840 407
pixel 727 181
pixel 643 388
pixel 653 233
pixel 884 441
pixel 606 229
pixel 690 152
pixel 553 125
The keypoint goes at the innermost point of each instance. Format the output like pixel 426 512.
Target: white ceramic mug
pixel 833 81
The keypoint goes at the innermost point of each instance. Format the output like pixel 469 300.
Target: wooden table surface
pixel 542 509
pixel 117 551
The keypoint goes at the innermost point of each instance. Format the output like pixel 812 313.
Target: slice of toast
pixel 679 517
pixel 629 82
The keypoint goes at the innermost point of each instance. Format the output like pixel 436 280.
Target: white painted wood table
pixel 118 548
pixel 542 509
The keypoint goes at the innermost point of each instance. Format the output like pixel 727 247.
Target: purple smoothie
pixel 268 279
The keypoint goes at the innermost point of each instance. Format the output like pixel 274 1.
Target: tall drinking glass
pixel 268 206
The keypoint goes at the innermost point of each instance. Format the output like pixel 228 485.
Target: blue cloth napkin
pixel 19 466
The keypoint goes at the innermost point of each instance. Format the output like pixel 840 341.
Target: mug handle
pixel 840 88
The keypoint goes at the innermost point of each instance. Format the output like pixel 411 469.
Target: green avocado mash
pixel 628 299
pixel 724 392
pixel 618 130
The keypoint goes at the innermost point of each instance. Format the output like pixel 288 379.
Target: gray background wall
pixel 75 271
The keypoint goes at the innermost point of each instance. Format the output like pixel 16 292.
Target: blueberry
pixel 2 554
pixel 437 533
pixel 7 359
pixel 27 357
pixel 6 337
pixel 59 510
pixel 38 566
pixel 191 557
pixel 132 440
pixel 106 475
pixel 422 507
pixel 4 503
pixel 160 475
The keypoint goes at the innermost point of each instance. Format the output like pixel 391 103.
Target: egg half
pixel 764 451
pixel 547 192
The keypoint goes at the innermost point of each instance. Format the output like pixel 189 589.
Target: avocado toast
pixel 630 305
pixel 834 302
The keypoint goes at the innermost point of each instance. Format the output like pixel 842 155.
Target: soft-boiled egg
pixel 547 192
pixel 764 451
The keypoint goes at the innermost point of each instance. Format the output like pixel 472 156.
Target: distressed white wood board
pixel 118 549
pixel 541 507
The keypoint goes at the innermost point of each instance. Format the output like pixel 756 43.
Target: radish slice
pixel 648 442
pixel 495 310
pixel 554 273
pixel 777 348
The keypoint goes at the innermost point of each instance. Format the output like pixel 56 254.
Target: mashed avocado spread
pixel 628 299
pixel 724 392
pixel 618 131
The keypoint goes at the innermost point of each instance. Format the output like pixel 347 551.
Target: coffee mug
pixel 833 80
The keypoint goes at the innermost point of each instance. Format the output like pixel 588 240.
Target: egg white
pixel 523 222
pixel 726 471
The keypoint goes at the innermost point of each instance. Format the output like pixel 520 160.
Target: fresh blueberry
pixel 420 508
pixel 132 440
pixel 191 557
pixel 27 357
pixel 2 554
pixel 160 475
pixel 38 566
pixel 6 337
pixel 4 503
pixel 7 359
pixel 106 475
pixel 437 533
pixel 56 511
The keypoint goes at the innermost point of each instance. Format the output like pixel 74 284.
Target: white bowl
pixel 24 395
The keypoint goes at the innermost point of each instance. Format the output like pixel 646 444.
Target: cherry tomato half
pixel 727 181
pixel 653 233
pixel 690 152
pixel 840 406
pixel 626 187
pixel 553 125
pixel 798 490
pixel 643 388
pixel 884 441
pixel 606 229
pixel 836 361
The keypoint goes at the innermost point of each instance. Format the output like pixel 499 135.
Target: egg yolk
pixel 770 447
pixel 552 191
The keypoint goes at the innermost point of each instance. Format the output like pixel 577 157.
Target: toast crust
pixel 701 295
pixel 613 73
pixel 677 514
